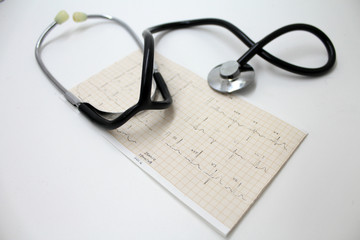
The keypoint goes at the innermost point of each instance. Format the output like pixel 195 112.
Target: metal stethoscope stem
pixel 151 79
pixel 68 95
pixel 227 77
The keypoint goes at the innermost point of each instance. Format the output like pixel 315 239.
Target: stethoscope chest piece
pixel 230 77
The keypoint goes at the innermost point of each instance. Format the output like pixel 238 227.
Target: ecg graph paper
pixel 215 152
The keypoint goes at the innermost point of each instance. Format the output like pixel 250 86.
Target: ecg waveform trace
pixel 218 150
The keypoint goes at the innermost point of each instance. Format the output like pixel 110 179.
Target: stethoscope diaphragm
pixel 230 77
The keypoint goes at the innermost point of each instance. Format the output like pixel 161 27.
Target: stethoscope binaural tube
pixel 235 75
pixel 149 72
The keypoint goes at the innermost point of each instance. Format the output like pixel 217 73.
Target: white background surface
pixel 60 179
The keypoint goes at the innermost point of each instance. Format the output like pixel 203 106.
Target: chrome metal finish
pixel 72 98
pixel 41 63
pixel 230 77
pixel 229 69
pixel 68 95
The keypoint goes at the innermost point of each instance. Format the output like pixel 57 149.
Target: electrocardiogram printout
pixel 213 151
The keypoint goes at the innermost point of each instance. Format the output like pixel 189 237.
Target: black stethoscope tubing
pixel 150 71
pixel 257 48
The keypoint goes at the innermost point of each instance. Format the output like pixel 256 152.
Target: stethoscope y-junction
pixel 226 78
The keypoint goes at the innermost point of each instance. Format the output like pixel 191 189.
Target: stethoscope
pixel 147 99
pixel 235 75
pixel 225 78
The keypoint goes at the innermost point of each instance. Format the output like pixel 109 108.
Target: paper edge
pixel 218 226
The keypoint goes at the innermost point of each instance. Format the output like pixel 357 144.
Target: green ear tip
pixel 79 17
pixel 61 17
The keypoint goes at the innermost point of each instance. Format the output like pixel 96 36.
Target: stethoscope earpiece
pixel 230 77
pixel 151 84
pixel 79 17
pixel 61 17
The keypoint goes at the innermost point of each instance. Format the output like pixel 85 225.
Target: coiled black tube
pixel 257 48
